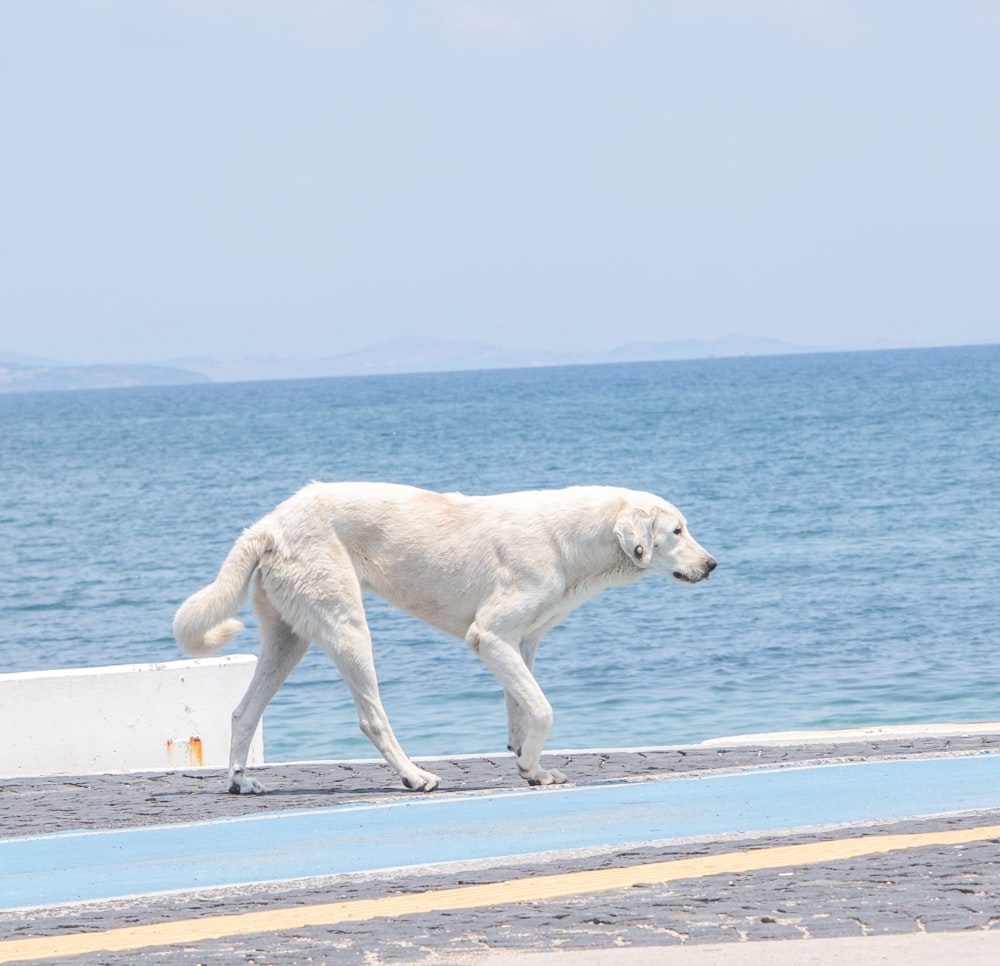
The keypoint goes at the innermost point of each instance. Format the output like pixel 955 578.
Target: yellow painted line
pixel 534 889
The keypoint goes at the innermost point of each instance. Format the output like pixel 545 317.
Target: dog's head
pixel 653 534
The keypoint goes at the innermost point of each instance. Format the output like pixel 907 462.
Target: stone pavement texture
pixel 933 891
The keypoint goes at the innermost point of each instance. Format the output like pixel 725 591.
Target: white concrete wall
pixel 133 717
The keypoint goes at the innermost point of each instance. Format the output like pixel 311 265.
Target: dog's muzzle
pixel 710 565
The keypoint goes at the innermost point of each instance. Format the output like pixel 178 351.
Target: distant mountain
pixel 731 345
pixel 415 354
pixel 404 355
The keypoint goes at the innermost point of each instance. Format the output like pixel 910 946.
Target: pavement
pixel 872 846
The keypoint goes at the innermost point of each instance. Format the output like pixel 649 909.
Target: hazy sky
pixel 300 179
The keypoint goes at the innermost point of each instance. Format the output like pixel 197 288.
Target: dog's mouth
pixel 694 578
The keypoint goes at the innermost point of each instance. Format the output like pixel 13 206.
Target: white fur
pixel 495 571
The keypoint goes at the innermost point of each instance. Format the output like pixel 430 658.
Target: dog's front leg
pixel 516 717
pixel 530 712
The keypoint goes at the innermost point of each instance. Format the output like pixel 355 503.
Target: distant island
pixel 19 377
pixel 403 355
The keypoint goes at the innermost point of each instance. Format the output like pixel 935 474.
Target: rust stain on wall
pixel 195 752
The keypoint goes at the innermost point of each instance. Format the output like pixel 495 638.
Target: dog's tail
pixel 205 621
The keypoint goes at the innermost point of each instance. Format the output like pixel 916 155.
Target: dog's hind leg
pixel 352 654
pixel 346 638
pixel 280 650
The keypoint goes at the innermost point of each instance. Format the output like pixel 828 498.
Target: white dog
pixel 495 571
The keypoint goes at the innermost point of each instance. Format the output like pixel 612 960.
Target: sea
pixel 851 499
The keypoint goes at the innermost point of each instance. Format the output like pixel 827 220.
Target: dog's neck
pixel 605 565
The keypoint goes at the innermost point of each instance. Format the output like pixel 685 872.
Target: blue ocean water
pixel 852 500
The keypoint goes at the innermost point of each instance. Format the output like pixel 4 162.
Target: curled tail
pixel 205 621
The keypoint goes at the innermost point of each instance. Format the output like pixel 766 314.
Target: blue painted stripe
pixel 414 830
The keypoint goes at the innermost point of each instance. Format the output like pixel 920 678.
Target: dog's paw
pixel 421 781
pixel 542 777
pixel 241 785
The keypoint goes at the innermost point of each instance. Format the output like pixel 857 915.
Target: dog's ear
pixel 634 530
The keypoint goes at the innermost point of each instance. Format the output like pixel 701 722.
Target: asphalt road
pixel 674 850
